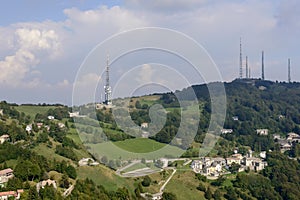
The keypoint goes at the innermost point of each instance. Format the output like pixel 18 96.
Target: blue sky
pixel 43 43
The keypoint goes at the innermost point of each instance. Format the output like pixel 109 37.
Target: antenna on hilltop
pixel 289 70
pixel 241 59
pixel 107 88
pixel 247 75
pixel 262 66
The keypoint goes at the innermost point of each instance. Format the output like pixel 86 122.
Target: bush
pixel 147 181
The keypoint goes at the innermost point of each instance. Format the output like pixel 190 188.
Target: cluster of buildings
pixel 288 142
pixel 218 166
pixel 5 175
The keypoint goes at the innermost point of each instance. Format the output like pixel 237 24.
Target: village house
pixel 48 182
pixel 226 131
pixel 73 114
pixel 208 166
pixel 87 162
pixel 235 118
pixel 276 137
pixel 50 117
pixel 255 164
pixel 1 111
pixel 28 128
pixel 262 131
pixel 197 166
pixel 61 125
pixel 235 158
pixel 4 138
pixel 293 137
pixel 144 125
pixel 7 195
pixel 5 175
pixel 39 125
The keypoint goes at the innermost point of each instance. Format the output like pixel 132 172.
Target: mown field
pixel 135 149
pixel 33 110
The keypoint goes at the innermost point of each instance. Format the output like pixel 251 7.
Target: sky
pixel 43 44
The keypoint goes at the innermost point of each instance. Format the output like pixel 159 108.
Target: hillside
pixel 52 147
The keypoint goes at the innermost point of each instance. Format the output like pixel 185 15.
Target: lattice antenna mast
pixel 107 87
pixel 247 74
pixel 289 70
pixel 241 60
pixel 262 66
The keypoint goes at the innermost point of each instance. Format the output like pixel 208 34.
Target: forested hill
pixel 257 104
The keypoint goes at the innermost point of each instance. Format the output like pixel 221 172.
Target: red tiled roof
pixel 7 193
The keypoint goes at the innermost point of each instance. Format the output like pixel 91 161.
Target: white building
pixel 226 131
pixel 87 161
pixel 262 131
pixel 4 138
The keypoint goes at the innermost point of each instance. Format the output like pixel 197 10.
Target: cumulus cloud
pixel 29 44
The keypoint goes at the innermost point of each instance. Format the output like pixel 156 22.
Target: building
pixel 5 175
pixel 50 117
pixel 225 131
pixel 144 125
pixel 87 161
pixel 235 158
pixel 48 182
pixel 4 138
pixel 276 137
pixel 28 128
pixel 255 164
pixel 262 131
pixel 235 118
pixel 73 114
pixel 7 195
pixel 39 125
pixel 1 111
pixel 197 166
pixel 293 137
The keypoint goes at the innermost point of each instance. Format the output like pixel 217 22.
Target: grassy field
pixel 139 145
pixel 135 149
pixel 33 110
pixel 102 175
pixel 184 186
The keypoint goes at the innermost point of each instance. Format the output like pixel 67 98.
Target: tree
pixel 26 170
pixel 104 159
pixel 64 181
pixel 217 195
pixel 169 196
pixel 201 187
pixel 208 193
pixel 71 172
pixel 146 181
pixel 234 168
pixel 32 194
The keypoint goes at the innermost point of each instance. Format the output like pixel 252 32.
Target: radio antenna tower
pixel 262 66
pixel 247 74
pixel 107 88
pixel 289 70
pixel 241 59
